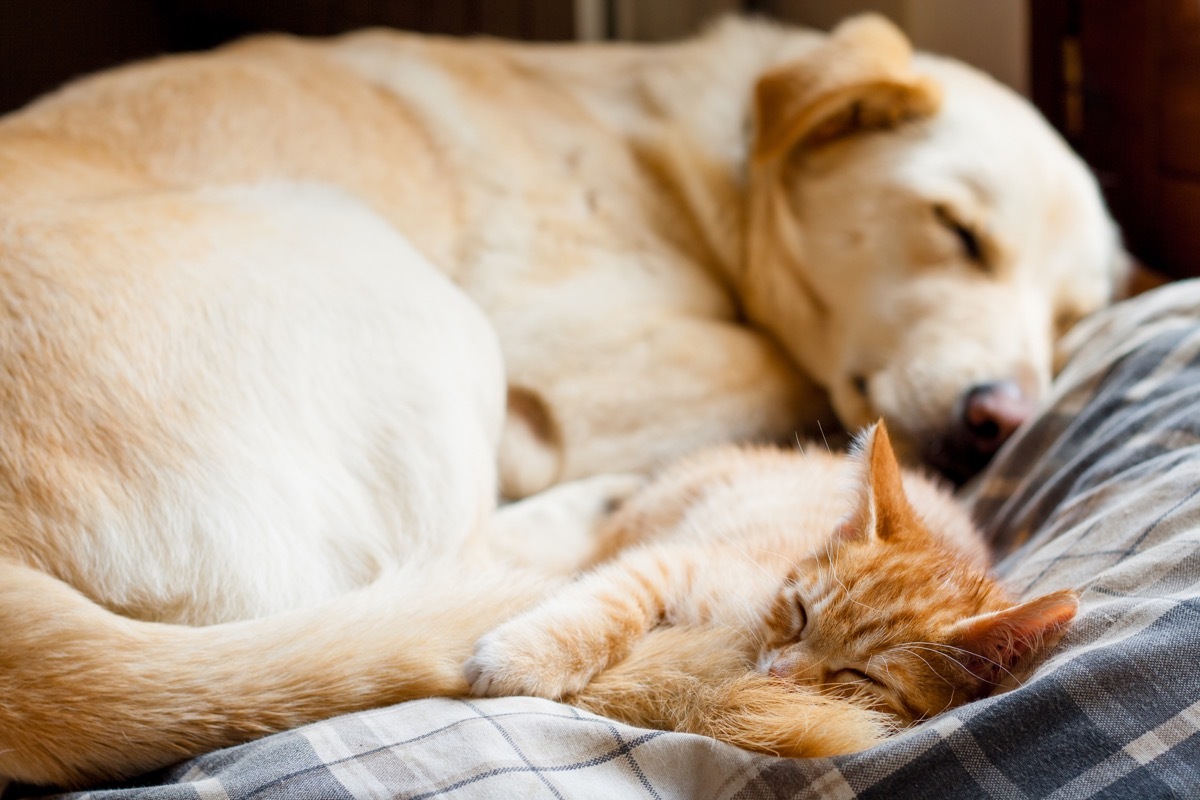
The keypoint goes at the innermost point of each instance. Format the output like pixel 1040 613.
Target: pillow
pixel 1100 492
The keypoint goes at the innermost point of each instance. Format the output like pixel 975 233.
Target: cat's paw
pixel 517 659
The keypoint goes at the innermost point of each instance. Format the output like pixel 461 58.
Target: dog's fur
pixel 233 385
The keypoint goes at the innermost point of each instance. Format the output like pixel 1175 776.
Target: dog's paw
pixel 612 490
pixel 559 530
pixel 519 659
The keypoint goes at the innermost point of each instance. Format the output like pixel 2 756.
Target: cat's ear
pixel 881 508
pixel 1004 642
pixel 859 79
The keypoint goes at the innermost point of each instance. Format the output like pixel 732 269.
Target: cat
pixel 750 597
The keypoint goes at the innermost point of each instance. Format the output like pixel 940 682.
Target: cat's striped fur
pixel 795 603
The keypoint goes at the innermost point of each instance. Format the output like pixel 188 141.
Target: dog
pixel 277 322
pixel 752 229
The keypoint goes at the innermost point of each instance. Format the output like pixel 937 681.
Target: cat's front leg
pixel 556 648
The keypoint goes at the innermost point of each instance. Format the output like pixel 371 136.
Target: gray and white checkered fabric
pixel 1102 493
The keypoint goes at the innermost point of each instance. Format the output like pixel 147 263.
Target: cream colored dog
pixel 235 387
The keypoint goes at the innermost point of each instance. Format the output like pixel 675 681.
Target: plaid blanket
pixel 1100 493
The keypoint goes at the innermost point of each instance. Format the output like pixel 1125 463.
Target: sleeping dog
pixel 278 320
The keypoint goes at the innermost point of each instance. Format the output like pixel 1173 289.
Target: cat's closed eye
pixel 852 676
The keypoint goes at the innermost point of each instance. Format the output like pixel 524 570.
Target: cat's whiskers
pixel 823 439
pixel 949 704
pixel 913 651
pixel 887 668
pixel 821 567
pixel 961 665
pixel 937 647
pixel 800 445
pixel 972 653
pixel 858 602
pixel 913 647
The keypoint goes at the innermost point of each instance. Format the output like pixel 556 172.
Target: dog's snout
pixel 986 416
pixel 991 412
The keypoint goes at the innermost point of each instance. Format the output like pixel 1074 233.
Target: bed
pixel 1100 492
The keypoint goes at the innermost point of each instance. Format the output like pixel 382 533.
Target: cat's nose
pixel 788 667
pixel 779 670
pixel 991 412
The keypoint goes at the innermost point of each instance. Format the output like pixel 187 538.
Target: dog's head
pixel 918 239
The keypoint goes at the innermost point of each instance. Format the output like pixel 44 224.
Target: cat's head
pixel 894 615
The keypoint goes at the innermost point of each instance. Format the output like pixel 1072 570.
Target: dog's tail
pixel 86 694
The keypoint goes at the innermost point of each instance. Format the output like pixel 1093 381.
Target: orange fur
pixel 690 679
pixel 800 619
pixel 89 694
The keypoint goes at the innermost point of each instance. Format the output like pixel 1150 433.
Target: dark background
pixel 45 42
pixel 1121 79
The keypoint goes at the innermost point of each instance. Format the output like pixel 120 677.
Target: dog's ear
pixel 860 78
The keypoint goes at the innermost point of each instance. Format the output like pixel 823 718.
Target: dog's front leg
pixel 629 395
pixel 562 530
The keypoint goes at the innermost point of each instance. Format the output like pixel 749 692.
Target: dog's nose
pixel 991 412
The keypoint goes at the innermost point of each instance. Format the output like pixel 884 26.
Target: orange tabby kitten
pixel 763 604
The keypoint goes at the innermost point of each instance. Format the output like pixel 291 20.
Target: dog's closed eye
pixel 972 243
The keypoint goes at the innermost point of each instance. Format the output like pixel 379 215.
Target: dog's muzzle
pixel 986 416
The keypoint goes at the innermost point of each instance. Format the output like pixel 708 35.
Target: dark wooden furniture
pixel 46 42
pixel 1121 80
